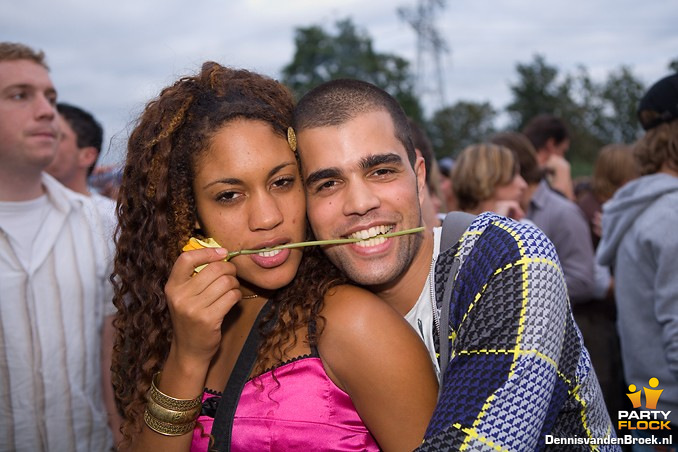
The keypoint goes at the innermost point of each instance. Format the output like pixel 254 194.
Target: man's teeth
pixel 371 242
pixel 366 234
pixel 269 253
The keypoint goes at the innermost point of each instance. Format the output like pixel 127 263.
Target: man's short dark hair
pixel 88 130
pixel 338 101
pixel 421 141
pixel 543 127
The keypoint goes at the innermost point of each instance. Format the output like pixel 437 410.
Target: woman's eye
pixel 227 196
pixel 284 182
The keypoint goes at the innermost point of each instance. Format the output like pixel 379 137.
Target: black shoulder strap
pixel 223 419
pixel 454 225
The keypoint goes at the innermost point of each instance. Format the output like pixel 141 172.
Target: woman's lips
pixel 270 259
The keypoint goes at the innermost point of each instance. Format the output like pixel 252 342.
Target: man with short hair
pixel 551 139
pixel 79 148
pixel 517 370
pixel 77 154
pixel 55 297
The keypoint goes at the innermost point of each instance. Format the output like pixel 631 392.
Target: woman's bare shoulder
pixel 350 306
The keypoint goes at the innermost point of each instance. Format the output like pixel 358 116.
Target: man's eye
pixel 382 172
pixel 327 185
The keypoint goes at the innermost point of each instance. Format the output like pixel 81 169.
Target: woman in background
pixel 486 177
pixel 615 165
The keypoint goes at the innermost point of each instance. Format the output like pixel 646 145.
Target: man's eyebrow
pixel 19 85
pixel 30 86
pixel 366 163
pixel 325 173
pixel 379 159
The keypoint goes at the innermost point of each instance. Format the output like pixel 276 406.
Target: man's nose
pixel 360 198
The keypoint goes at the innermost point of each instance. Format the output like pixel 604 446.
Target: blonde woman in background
pixel 486 177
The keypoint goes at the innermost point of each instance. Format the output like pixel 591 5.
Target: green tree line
pixel 597 113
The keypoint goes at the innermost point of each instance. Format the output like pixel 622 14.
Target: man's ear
pixel 550 145
pixel 420 172
pixel 87 156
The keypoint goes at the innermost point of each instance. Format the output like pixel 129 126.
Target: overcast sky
pixel 112 57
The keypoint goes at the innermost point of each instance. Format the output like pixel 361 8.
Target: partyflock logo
pixel 650 418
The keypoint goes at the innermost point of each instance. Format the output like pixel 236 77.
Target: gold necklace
pixel 249 297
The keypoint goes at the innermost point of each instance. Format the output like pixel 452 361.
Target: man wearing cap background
pixel 640 242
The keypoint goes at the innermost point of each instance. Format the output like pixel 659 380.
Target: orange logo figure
pixel 651 395
pixel 634 396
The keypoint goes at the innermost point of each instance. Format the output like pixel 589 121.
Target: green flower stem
pixel 323 242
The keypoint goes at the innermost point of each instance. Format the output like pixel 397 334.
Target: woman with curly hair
pixel 335 368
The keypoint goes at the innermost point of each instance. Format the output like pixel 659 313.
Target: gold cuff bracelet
pixel 166 428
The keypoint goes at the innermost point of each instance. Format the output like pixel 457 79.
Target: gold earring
pixel 292 139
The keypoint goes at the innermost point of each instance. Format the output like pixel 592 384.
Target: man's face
pixel 66 164
pixel 359 183
pixel 28 119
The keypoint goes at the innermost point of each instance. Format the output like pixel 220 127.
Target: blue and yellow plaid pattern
pixel 518 369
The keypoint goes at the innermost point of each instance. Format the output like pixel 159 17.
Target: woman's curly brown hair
pixel 657 147
pixel 156 217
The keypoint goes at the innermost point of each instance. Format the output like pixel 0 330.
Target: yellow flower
pixel 197 244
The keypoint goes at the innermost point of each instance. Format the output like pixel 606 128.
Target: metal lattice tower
pixel 431 46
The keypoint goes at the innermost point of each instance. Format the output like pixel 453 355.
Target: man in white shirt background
pixel 55 296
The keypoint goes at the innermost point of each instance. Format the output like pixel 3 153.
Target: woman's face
pixel 249 195
pixel 513 191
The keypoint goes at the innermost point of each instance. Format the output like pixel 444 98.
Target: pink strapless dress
pixel 303 411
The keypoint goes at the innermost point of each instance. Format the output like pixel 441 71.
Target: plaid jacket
pixel 518 369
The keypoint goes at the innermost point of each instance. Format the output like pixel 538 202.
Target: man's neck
pixel 543 157
pixel 20 186
pixel 666 169
pixel 79 185
pixel 404 292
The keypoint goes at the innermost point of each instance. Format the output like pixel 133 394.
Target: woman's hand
pixel 198 303
pixel 509 208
